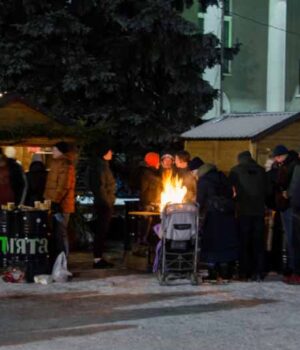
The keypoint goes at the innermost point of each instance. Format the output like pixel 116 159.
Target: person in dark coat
pixel 219 231
pixel 285 161
pixel 274 236
pixel 36 182
pixel 194 165
pixel 249 182
pixel 12 182
pixel 101 182
pixel 294 199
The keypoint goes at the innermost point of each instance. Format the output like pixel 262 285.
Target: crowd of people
pixel 57 186
pixel 233 207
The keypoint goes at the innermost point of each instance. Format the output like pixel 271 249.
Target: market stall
pixel 29 130
pixel 25 131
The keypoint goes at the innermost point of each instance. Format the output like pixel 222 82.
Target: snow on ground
pixel 233 316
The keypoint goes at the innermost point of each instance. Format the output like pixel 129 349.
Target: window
pixel 227 31
pixel 227 7
pixel 227 42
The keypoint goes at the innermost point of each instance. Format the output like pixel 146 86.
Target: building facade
pixel 265 75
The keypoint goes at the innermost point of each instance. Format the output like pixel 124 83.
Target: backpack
pixel 220 202
pixel 251 180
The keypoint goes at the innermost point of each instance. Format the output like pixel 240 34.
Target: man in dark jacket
pixel 101 182
pixel 285 160
pixel 249 182
pixel 36 180
pixel 294 201
pixel 11 180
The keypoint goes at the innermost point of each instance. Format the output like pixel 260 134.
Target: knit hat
pixel 167 155
pixel 195 163
pixel 100 148
pixel 280 150
pixel 244 156
pixel 152 159
pixel 62 146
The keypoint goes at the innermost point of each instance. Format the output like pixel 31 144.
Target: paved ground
pixel 125 310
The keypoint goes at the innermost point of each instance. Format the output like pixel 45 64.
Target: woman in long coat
pixel 219 243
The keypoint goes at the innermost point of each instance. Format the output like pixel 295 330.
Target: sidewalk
pixel 120 309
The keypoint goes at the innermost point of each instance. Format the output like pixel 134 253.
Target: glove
pixel 55 208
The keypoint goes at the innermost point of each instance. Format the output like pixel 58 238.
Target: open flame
pixel 173 191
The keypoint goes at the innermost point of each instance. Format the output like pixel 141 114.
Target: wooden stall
pixel 219 141
pixel 28 129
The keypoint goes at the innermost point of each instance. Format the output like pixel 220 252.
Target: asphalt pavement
pixel 123 309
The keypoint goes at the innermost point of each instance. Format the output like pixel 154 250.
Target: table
pixel 143 213
pixel 142 243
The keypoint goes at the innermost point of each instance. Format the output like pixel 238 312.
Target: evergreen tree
pixel 134 65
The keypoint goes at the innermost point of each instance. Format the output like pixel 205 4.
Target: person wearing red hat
pixel 150 181
pixel 150 188
pixel 152 160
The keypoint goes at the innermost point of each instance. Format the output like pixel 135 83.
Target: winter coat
pixel 218 229
pixel 36 182
pixel 285 172
pixel 101 182
pixel 283 181
pixel 60 184
pixel 189 181
pixel 16 178
pixel 272 189
pixel 250 183
pixel 150 186
pixel 294 188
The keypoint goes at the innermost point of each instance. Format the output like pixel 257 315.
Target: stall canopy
pixel 23 124
pixel 220 140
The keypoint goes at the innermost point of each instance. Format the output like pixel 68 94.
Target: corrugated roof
pixel 241 126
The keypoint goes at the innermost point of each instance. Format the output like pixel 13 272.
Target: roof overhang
pixel 287 119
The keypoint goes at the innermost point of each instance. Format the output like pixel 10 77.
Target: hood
pixel 37 166
pixel 205 168
pixel 245 157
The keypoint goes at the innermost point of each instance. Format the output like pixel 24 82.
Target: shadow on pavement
pixel 31 318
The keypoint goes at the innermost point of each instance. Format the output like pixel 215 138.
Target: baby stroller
pixel 179 250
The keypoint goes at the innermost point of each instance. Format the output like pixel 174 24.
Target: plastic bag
pixel 43 279
pixel 60 271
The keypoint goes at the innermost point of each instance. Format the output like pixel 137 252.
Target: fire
pixel 173 191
